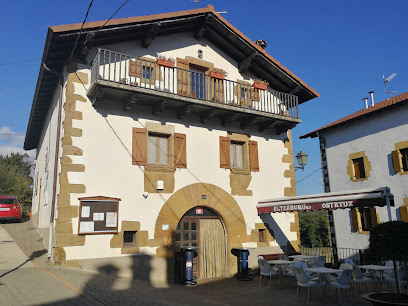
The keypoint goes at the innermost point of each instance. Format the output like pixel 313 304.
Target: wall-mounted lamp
pixel 25 158
pixel 200 53
pixel 301 158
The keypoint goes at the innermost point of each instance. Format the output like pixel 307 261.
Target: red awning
pixel 332 200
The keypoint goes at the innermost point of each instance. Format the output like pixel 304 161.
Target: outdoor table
pixel 244 273
pixel 323 272
pixel 379 270
pixel 280 263
pixel 302 257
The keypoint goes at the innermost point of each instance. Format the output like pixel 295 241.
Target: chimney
pixel 366 102
pixel 261 43
pixel 372 97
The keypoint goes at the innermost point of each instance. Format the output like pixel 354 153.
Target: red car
pixel 10 208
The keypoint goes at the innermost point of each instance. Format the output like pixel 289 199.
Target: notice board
pixel 98 215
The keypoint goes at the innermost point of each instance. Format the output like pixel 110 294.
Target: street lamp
pixel 302 160
pixel 25 158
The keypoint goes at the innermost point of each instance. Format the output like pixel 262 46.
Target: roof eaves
pixel 383 105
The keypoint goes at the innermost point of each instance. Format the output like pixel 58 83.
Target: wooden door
pixel 186 234
pixel 212 249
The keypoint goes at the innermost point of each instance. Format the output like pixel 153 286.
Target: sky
pixel 341 49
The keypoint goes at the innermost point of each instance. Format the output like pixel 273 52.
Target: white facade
pixel 376 136
pixel 96 156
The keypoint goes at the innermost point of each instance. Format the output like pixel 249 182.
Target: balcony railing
pixel 145 73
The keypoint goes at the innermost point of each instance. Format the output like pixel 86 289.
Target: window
pixel 129 239
pixel 404 158
pixel 147 72
pixel 262 235
pixel 157 150
pixel 238 152
pixel 237 155
pixel 366 223
pixel 400 157
pixel 358 165
pixel 364 219
pixel 197 82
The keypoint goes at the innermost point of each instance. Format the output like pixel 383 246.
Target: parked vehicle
pixel 10 208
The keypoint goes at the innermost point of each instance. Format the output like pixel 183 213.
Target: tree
pixel 389 241
pixel 15 179
pixel 314 228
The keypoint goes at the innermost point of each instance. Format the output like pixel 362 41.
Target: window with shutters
pixel 239 154
pixel 158 146
pixel 364 219
pixel 400 157
pixel 144 70
pixel 157 150
pixel 236 155
pixel 358 167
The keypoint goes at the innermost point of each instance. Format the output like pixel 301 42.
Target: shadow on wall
pixel 277 233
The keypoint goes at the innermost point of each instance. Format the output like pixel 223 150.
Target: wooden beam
pixel 184 111
pixel 97 96
pixel 151 34
pixel 205 116
pixel 267 125
pixel 159 107
pixel 199 32
pixel 228 118
pixel 246 63
pixel 131 102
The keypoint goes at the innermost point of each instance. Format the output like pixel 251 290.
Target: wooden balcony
pixel 146 81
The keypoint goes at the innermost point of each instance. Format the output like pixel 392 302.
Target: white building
pixel 137 155
pixel 367 149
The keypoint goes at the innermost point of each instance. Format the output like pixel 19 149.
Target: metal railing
pixel 146 73
pixel 335 256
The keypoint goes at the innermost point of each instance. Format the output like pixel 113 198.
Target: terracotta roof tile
pixel 364 112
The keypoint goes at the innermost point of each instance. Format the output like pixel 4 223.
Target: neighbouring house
pixel 157 132
pixel 367 149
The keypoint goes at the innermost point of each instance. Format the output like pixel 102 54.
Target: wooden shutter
pixel 225 156
pixel 183 77
pixel 253 156
pixel 404 213
pixel 255 94
pixel 217 90
pixel 396 160
pixel 134 68
pixel 139 146
pixel 180 151
pixel 356 165
pixel 373 216
pixel 354 219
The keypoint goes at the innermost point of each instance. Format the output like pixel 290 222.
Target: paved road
pixel 28 278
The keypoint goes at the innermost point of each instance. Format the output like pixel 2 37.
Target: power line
pixel 107 20
pixel 309 175
pixel 80 31
pixel 7 134
pixel 20 62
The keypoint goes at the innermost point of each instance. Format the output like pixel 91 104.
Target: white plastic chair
pixel 304 266
pixel 304 281
pixel 349 261
pixel 342 282
pixel 320 261
pixel 389 278
pixel 266 270
pixel 363 278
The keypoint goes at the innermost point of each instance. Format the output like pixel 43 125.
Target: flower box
pixel 165 63
pixel 260 86
pixel 217 75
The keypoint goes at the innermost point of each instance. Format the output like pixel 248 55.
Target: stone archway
pixel 191 196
